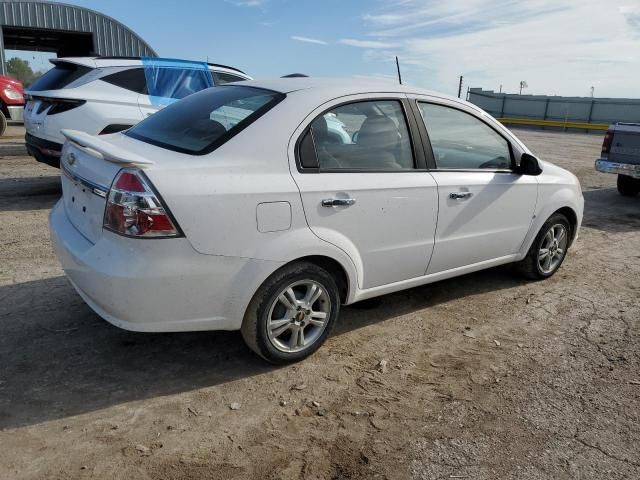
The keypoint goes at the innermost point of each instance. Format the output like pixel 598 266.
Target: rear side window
pixel 362 136
pixel 201 123
pixel 461 141
pixel 175 83
pixel 59 77
pixel 132 79
pixel 222 78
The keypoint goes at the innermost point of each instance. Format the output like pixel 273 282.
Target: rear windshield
pixel 59 77
pixel 205 120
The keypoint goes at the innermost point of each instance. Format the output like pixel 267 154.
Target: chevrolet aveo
pixel 265 206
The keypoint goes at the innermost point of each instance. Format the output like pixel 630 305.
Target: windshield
pixel 205 120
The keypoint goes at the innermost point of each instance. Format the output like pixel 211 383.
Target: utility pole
pixel 398 67
pixel 523 84
pixel 460 87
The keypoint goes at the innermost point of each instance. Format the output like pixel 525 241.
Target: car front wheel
pixel 549 248
pixel 292 313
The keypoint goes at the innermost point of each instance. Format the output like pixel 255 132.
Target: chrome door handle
pixel 460 195
pixel 338 202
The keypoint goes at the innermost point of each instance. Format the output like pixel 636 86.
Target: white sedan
pixel 271 221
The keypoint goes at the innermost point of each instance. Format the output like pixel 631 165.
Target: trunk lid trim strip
pixel 94 188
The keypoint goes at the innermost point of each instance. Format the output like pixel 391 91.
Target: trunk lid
pixel 89 165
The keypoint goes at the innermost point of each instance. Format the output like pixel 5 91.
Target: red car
pixel 11 101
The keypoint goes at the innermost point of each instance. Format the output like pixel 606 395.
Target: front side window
pixel 461 141
pixel 368 135
pixel 205 120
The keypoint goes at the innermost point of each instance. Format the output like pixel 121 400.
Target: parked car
pixel 101 95
pixel 11 101
pixel 621 156
pixel 269 226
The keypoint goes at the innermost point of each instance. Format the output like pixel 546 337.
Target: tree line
pixel 22 71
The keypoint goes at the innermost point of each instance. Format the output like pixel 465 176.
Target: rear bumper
pixel 44 151
pixel 628 169
pixel 16 113
pixel 160 285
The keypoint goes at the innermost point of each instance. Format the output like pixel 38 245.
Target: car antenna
pixel 398 67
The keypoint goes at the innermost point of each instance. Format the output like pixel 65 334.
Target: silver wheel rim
pixel 552 248
pixel 298 316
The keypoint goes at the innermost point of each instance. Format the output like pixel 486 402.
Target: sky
pixel 559 47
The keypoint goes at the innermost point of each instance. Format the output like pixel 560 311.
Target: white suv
pixel 108 94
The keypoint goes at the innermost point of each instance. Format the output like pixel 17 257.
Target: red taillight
pixel 135 210
pixel 129 182
pixel 606 144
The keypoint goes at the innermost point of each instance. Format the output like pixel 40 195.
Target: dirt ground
pixel 488 376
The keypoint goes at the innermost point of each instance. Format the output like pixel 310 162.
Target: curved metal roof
pixel 110 36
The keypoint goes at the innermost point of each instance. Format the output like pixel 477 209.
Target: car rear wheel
pixel 548 250
pixel 292 313
pixel 628 186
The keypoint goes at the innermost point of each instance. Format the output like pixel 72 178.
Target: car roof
pixel 337 87
pixel 95 62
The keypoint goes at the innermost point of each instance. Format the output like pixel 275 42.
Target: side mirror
pixel 354 137
pixel 529 165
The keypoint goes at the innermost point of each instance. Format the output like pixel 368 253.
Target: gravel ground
pixel 487 376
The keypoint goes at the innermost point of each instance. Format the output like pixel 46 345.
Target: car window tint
pixel 232 113
pixel 307 151
pixel 370 135
pixel 461 141
pixel 59 77
pixel 176 83
pixel 132 79
pixel 205 120
pixel 222 78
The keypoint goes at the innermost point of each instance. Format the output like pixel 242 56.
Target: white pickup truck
pixel 621 155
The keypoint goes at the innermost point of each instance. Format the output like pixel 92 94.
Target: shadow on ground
pixel 60 359
pixel 605 209
pixel 29 193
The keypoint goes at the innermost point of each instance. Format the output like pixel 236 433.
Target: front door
pixel 485 208
pixel 362 192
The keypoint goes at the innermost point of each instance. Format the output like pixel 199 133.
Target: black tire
pixel 530 266
pixel 3 123
pixel 628 186
pixel 256 320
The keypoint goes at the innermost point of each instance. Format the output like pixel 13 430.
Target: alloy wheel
pixel 298 316
pixel 552 248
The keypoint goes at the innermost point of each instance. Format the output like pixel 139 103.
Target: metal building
pixel 66 30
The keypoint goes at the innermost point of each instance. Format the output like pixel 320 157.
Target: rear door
pixel 365 188
pixel 486 208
